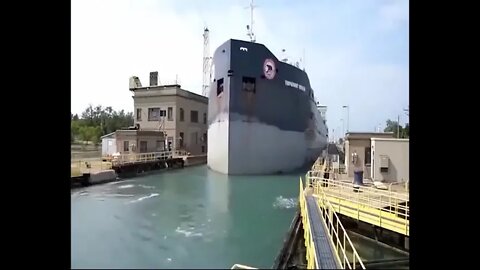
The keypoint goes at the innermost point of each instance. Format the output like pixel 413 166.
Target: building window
pixel 153 114
pixel 204 118
pixel 194 138
pixel 194 116
pixel 126 146
pixel 219 86
pixel 139 114
pixel 170 143
pixel 368 157
pixel 170 114
pixel 203 148
pixel 248 84
pixel 160 146
pixel 163 113
pixel 143 146
pixel 181 139
pixel 181 115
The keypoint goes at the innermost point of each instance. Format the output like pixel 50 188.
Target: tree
pixel 103 120
pixel 392 126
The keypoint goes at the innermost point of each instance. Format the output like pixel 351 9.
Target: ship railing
pixel 80 167
pixel 387 201
pixel 347 255
pixel 123 159
pixel 241 266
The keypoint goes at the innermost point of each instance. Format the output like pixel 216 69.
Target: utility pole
pixel 398 126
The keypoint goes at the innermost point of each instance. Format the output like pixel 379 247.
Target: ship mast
pixel 250 27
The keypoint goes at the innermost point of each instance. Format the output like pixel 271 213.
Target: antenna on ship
pixel 250 27
pixel 206 61
pixel 304 60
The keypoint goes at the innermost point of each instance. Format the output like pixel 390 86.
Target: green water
pixel 188 218
pixel 182 219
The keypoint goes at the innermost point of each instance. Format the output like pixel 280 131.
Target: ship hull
pixel 259 122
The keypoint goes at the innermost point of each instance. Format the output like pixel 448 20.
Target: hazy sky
pixel 356 50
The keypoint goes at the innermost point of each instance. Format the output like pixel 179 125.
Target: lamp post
pixel 343 127
pixel 348 115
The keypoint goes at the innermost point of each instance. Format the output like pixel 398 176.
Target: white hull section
pixel 257 148
pixel 217 141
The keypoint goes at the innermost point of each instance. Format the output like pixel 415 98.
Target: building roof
pixel 108 135
pixel 138 132
pixel 368 135
pixel 390 139
pixel 166 90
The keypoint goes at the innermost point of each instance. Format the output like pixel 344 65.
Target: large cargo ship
pixel 262 114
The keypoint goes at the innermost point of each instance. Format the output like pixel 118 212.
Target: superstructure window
pixel 248 84
pixel 219 86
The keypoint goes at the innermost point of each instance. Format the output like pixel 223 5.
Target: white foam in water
pixel 144 186
pixel 146 197
pixel 187 233
pixel 285 203
pixel 119 182
pixel 119 195
pixel 126 186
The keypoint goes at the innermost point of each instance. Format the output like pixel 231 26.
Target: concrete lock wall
pixel 397 152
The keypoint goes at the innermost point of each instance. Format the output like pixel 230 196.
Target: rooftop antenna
pixel 304 60
pixel 206 61
pixel 250 27
pixel 284 56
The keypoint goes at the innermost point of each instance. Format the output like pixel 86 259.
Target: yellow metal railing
pixel 311 256
pixel 141 157
pixel 383 208
pixel 345 251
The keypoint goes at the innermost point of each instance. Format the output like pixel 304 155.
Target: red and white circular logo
pixel 269 69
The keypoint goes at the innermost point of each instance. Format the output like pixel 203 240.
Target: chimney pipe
pixel 154 78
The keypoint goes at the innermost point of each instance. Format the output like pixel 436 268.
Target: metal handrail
pixel 141 157
pixel 340 243
pixel 365 189
pixel 366 196
pixel 311 255
pixel 384 201
pixel 334 226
